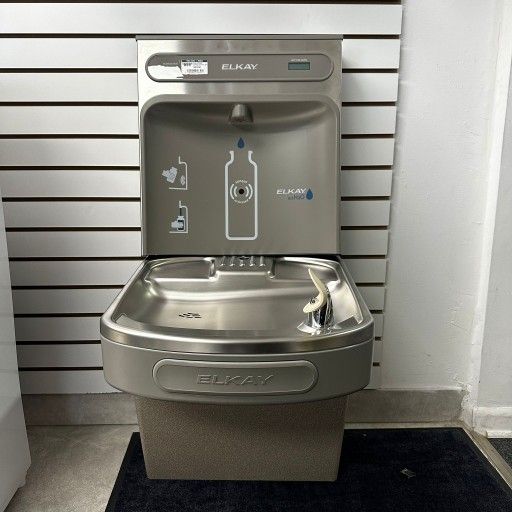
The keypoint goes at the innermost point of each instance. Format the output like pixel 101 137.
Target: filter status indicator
pixel 299 65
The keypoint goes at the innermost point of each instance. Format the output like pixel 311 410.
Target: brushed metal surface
pixel 234 305
pixel 268 186
pixel 235 378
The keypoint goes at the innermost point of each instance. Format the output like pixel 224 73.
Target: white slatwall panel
pixel 65 87
pixel 70 52
pixel 67 381
pixel 121 53
pixel 370 87
pixel 90 273
pixel 361 120
pixel 122 87
pixel 190 18
pixel 360 183
pixel 105 244
pixel 81 120
pixel 125 152
pixel 79 183
pixel 364 242
pixel 365 270
pixel 126 183
pixel 373 296
pixel 57 301
pixel 69 159
pixel 60 356
pixel 57 328
pixel 86 244
pixel 69 152
pixel 361 213
pixel 122 120
pixel 66 214
pixel 379 323
pixel 110 214
pixel 377 351
pixel 362 152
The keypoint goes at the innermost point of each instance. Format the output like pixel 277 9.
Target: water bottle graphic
pixel 241 194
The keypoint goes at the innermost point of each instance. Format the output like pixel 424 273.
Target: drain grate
pixel 189 315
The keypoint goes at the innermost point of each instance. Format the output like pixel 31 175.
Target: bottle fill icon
pixel 241 194
pixel 180 223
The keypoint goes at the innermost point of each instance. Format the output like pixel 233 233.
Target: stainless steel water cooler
pixel 242 333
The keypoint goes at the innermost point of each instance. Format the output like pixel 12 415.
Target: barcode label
pixel 194 67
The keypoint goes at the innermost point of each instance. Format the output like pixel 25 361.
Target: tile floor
pixel 74 468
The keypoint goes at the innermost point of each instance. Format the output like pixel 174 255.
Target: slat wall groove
pixel 69 169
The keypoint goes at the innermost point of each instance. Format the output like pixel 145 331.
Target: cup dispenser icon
pixel 177 177
pixel 180 224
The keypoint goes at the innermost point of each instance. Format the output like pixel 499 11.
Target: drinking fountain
pixel 242 333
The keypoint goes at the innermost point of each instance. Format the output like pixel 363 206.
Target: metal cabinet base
pixel 299 441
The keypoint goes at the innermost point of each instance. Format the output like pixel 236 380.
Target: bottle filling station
pixel 242 333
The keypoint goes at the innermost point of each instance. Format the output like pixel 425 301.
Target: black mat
pixel 398 470
pixel 504 448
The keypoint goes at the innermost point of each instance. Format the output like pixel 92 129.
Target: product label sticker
pixel 194 67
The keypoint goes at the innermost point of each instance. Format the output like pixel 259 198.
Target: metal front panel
pixel 239 67
pixel 265 186
pixel 338 372
pixel 225 378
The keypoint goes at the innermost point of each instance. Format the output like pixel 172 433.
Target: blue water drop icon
pixel 241 143
pixel 309 194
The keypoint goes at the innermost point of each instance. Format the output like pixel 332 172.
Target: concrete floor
pixel 73 468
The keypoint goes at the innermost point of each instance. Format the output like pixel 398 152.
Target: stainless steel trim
pixel 492 455
pixel 250 37
pixel 118 326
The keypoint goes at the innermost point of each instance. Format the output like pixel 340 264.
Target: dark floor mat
pixel 395 470
pixel 504 448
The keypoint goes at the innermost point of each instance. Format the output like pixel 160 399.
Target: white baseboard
pixel 367 406
pixel 493 421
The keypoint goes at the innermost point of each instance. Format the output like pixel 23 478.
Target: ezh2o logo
pixel 295 194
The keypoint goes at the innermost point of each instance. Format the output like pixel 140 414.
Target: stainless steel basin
pixel 234 305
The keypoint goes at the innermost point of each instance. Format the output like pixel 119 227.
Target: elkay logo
pixel 236 380
pixel 295 193
pixel 237 67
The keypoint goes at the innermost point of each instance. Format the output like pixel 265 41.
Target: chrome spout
pixel 240 114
